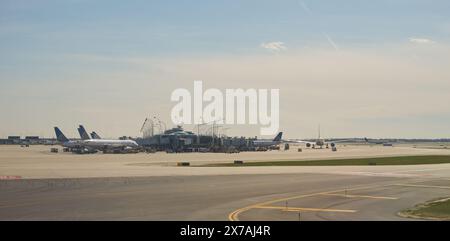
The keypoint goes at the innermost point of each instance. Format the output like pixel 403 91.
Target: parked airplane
pixel 268 143
pixel 88 145
pixel 77 146
pixel 64 141
pixel 379 142
pixel 103 144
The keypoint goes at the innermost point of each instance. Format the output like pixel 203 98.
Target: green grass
pixel 439 209
pixel 400 160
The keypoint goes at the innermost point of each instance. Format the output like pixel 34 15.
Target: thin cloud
pixel 274 46
pixel 421 41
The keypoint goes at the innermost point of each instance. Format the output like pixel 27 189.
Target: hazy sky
pixel 358 68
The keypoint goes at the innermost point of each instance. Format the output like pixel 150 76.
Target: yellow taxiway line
pixel 359 196
pixel 417 185
pixel 233 216
pixel 297 209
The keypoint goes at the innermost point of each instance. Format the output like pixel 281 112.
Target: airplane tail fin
pixel 60 136
pixel 95 135
pixel 278 137
pixel 83 134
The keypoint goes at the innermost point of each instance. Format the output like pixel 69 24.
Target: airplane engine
pixel 332 145
pixel 308 145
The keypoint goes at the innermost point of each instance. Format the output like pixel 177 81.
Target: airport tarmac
pixel 38 162
pixel 64 186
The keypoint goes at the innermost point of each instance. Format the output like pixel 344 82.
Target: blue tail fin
pixel 60 136
pixel 83 134
pixel 95 135
pixel 278 137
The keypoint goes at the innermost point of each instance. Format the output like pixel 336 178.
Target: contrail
pixel 305 7
pixel 330 40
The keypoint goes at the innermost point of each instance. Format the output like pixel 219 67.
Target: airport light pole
pixel 198 130
pixel 142 128
pixel 145 130
pixel 161 123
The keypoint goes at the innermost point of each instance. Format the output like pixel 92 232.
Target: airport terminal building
pixel 179 140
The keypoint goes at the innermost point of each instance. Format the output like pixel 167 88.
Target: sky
pixel 357 68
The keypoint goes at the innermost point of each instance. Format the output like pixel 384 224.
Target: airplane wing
pixel 337 141
pixel 299 142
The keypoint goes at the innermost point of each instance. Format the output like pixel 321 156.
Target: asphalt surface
pixel 305 196
pixel 37 162
pixel 38 185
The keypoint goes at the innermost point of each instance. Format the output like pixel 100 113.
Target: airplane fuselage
pixel 102 143
pixel 265 143
pixel 320 143
pixel 72 144
pixel 268 143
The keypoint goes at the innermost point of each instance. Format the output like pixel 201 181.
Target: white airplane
pixel 104 144
pixel 319 142
pixel 267 143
